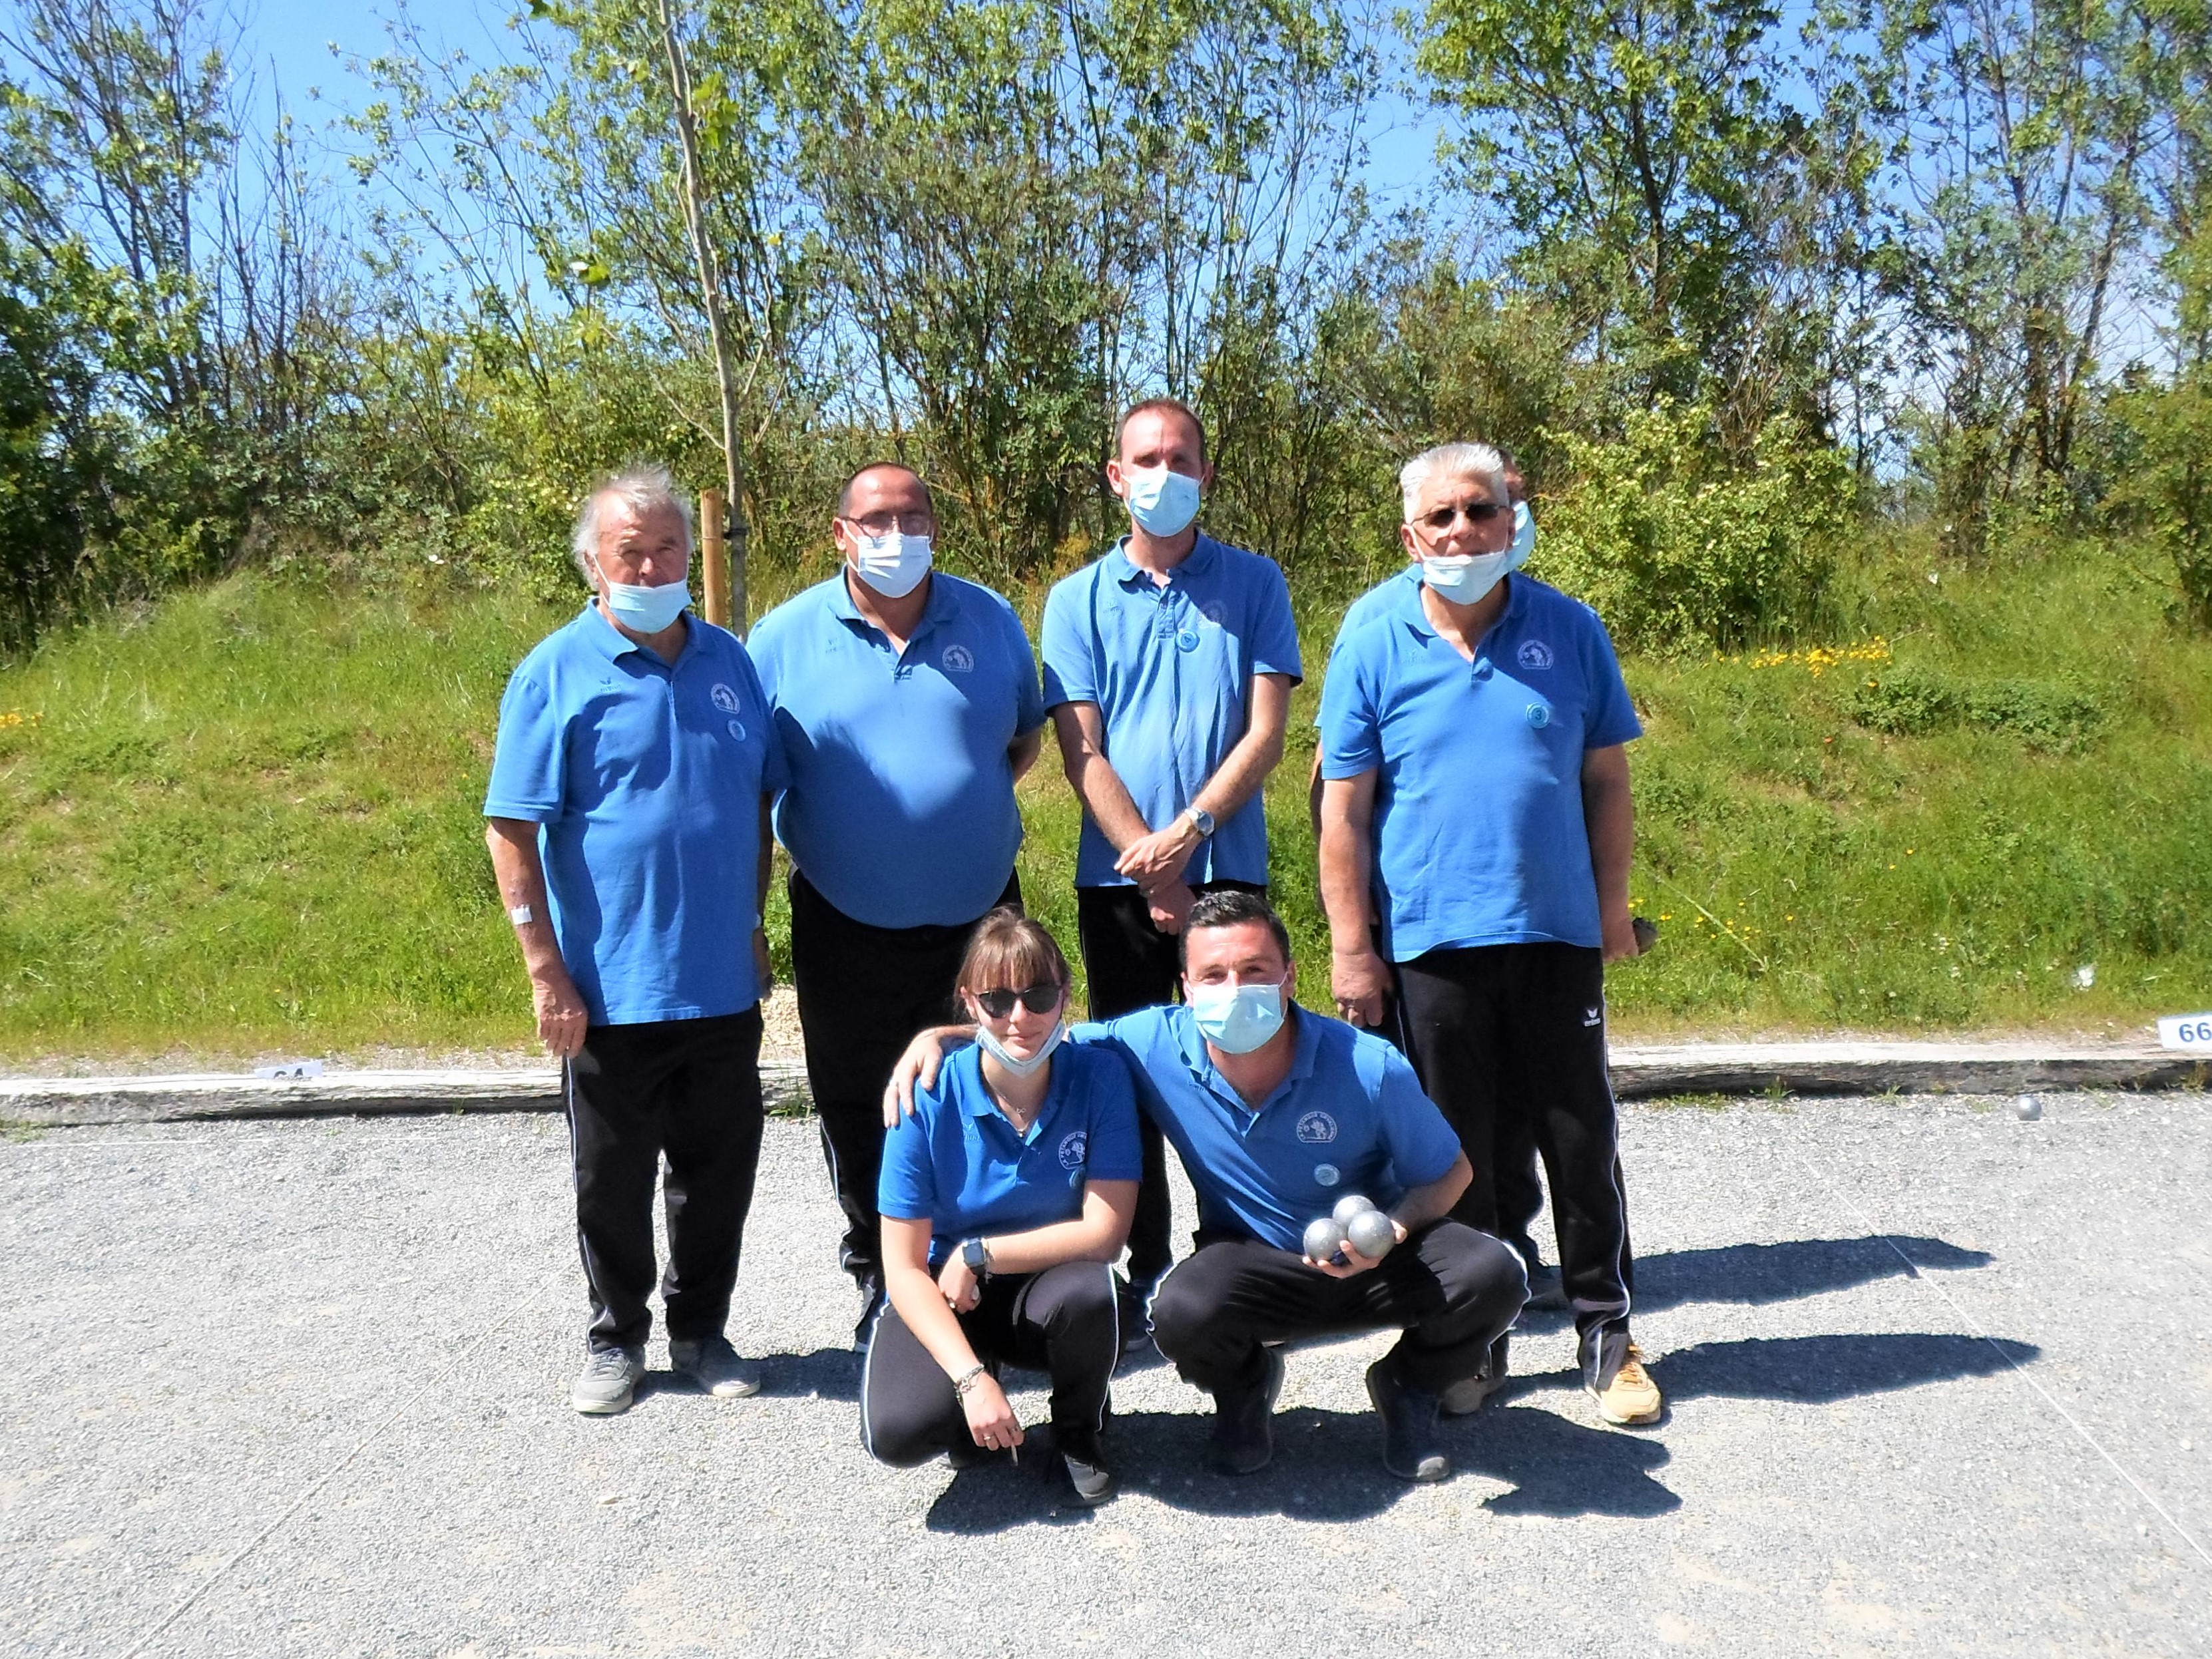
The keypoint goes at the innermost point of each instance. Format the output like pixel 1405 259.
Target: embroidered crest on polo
pixel 1215 612
pixel 1074 1147
pixel 1535 654
pixel 1317 1128
pixel 725 699
pixel 1327 1175
pixel 958 659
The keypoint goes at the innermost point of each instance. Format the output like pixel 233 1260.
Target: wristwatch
pixel 977 1258
pixel 1200 819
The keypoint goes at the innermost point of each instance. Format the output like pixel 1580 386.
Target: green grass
pixel 247 821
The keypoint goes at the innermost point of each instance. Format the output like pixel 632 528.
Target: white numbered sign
pixel 2190 1032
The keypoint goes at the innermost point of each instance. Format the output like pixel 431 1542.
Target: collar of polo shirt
pixel 1203 552
pixel 938 610
pixel 1305 1039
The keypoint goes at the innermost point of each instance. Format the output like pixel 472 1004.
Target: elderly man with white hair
pixel 1475 832
pixel 628 810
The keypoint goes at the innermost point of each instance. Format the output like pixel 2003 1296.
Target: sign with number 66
pixel 2190 1032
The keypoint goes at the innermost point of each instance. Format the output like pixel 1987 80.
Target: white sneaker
pixel 714 1367
pixel 608 1382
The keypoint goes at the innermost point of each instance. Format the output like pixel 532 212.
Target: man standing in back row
pixel 905 701
pixel 1167 669
pixel 1475 837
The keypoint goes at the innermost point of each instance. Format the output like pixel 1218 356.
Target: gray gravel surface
pixel 300 1389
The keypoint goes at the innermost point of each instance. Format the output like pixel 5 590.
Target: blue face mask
pixel 1464 577
pixel 992 1046
pixel 1160 499
pixel 1525 536
pixel 647 610
pixel 1238 1018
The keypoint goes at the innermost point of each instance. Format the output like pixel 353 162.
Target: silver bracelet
pixel 966 1380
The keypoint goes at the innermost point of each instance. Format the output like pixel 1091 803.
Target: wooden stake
pixel 714 558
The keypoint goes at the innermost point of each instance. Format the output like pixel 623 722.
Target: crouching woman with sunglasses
pixel 1005 1198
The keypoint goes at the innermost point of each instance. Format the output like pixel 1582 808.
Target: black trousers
pixel 1061 1321
pixel 1132 965
pixel 1452 1290
pixel 688 1090
pixel 1514 1035
pixel 863 992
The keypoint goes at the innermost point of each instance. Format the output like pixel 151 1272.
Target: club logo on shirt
pixel 1327 1175
pixel 1317 1128
pixel 1215 612
pixel 1535 654
pixel 725 699
pixel 1074 1147
pixel 737 730
pixel 958 659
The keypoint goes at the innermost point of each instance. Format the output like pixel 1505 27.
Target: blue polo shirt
pixel 956 1163
pixel 1171 666
pixel 1480 838
pixel 1377 600
pixel 899 807
pixel 647 777
pixel 1350 1117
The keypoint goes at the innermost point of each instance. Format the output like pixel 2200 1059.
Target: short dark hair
pixel 1232 907
pixel 1161 406
pixel 845 495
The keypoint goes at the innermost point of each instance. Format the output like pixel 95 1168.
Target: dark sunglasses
pixel 1478 512
pixel 1038 999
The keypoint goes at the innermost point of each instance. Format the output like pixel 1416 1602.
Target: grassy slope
pixel 248 821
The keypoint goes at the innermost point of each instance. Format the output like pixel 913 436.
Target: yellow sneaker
pixel 1632 1397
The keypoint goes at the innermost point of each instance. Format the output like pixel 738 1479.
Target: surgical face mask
pixel 1525 536
pixel 1238 1018
pixel 646 609
pixel 1160 499
pixel 992 1046
pixel 892 564
pixel 1464 577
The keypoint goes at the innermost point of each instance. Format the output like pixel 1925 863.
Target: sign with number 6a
pixel 2190 1032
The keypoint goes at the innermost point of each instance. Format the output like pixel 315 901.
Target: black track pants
pixel 1132 965
pixel 1514 1035
pixel 863 993
pixel 689 1089
pixel 1061 1321
pixel 1452 1290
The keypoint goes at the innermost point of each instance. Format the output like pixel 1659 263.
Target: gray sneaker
pixel 714 1367
pixel 608 1382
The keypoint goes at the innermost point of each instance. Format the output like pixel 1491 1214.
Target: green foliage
pixel 2163 485
pixel 1913 703
pixel 1678 549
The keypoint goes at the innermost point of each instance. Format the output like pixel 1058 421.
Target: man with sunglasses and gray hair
pixel 1475 833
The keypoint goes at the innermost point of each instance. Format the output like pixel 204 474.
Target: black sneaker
pixel 864 1329
pixel 1411 1450
pixel 1244 1415
pixel 1087 1473
pixel 1129 1308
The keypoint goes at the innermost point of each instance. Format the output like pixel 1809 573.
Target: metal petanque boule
pixel 1350 1204
pixel 1323 1239
pixel 1371 1234
pixel 2027 1107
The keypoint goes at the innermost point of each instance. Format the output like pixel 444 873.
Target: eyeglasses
pixel 1038 999
pixel 1478 512
pixel 895 523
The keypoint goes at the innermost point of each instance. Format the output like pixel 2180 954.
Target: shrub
pixel 1679 547
pixel 1914 703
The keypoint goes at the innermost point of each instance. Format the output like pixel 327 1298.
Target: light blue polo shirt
pixel 647 777
pixel 1350 1117
pixel 956 1163
pixel 1171 668
pixel 899 807
pixel 1480 838
pixel 1377 600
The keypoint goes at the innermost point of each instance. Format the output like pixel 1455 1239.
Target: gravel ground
pixel 300 1389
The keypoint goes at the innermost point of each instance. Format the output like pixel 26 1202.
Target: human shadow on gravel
pixel 1822 1369
pixel 1327 1467
pixel 1757 1274
pixel 829 1373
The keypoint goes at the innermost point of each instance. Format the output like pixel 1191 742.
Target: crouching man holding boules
pixel 628 834
pixel 1280 1114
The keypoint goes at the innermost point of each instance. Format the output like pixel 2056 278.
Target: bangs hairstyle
pixel 1009 952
